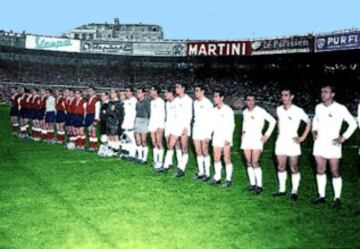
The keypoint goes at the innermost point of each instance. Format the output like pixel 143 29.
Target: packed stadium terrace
pixel 263 76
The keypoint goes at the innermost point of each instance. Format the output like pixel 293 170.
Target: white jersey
pixel 170 116
pixel 129 113
pixel 254 122
pixel 328 121
pixel 157 114
pixel 223 125
pixel 289 121
pixel 50 104
pixel 184 110
pixel 202 109
pixel 253 125
pixel 202 128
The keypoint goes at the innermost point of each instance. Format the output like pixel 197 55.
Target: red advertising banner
pixel 217 48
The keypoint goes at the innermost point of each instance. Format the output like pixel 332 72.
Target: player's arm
pixel 304 117
pixel 84 106
pixel 350 120
pixel 189 111
pixel 162 110
pixel 272 123
pixel 315 124
pixel 97 112
pixel 63 105
pixel 188 114
pixel 229 126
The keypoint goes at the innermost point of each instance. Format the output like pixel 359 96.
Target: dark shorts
pixel 89 119
pixel 50 117
pixel 69 119
pixel 112 130
pixel 24 112
pixel 60 117
pixel 40 114
pixel 31 114
pixel 14 111
pixel 78 120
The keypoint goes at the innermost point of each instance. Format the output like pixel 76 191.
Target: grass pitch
pixel 54 198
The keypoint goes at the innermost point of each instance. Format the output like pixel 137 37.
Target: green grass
pixel 54 198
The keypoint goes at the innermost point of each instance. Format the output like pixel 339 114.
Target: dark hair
pixel 50 90
pixel 156 88
pixel 141 88
pixel 220 91
pixel 131 88
pixel 201 87
pixel 170 89
pixel 332 87
pixel 92 87
pixel 182 84
pixel 288 89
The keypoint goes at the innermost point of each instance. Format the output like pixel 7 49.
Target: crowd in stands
pixel 264 81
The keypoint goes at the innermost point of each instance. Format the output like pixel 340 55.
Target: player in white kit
pixel 169 124
pixel 201 135
pixel 129 121
pixel 181 129
pixel 328 119
pixel 157 125
pixel 222 140
pixel 287 147
pixel 252 140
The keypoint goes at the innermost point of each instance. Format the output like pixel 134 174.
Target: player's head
pixel 154 91
pixel 140 93
pixel 129 90
pixel 91 91
pixel 250 101
pixel 78 94
pixel 71 93
pixel 57 92
pixel 49 92
pixel 122 95
pixel 199 91
pixel 219 95
pixel 33 91
pixel 169 93
pixel 327 93
pixel 113 95
pixel 66 93
pixel 42 91
pixel 180 88
pixel 287 96
pixel 104 96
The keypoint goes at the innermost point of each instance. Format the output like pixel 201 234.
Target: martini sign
pixel 52 43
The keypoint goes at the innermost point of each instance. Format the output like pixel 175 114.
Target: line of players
pixel 125 121
pixel 35 114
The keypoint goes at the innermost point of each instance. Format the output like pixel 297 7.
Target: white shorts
pixel 251 142
pixel 327 149
pixel 219 138
pixel 153 125
pixel 177 130
pixel 287 147
pixel 201 133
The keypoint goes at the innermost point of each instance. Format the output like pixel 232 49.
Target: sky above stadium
pixel 186 19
